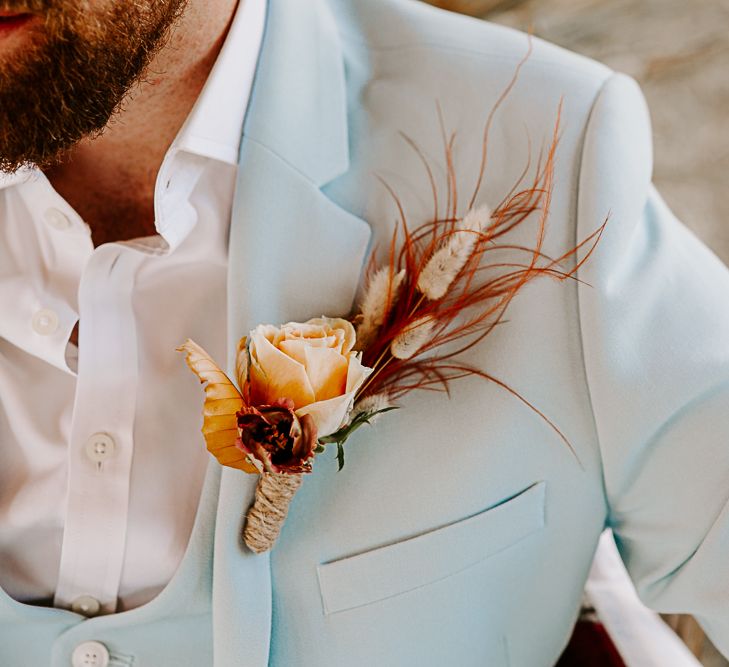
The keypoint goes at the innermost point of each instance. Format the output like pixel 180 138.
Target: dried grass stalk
pixel 412 338
pixel 382 291
pixel 446 263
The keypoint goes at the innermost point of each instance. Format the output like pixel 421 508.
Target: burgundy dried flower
pixel 276 437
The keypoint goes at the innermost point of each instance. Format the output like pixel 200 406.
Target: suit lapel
pixel 293 255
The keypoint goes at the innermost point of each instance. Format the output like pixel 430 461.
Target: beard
pixel 72 73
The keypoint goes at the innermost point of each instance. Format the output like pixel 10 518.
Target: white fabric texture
pixel 639 634
pixel 109 516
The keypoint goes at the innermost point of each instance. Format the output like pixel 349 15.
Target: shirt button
pixel 57 219
pixel 100 447
pixel 90 654
pixel 86 606
pixel 45 322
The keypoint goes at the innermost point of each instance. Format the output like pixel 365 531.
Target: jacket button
pixel 90 654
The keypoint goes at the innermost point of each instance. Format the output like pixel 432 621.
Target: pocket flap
pixel 411 563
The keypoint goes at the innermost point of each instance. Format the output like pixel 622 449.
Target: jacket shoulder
pixel 417 75
pixel 460 47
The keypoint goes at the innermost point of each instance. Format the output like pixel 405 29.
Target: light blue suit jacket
pixel 461 530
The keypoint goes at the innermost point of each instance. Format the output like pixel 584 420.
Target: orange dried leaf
pixel 222 401
pixel 241 367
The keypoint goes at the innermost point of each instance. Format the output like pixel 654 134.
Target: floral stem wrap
pixel 266 517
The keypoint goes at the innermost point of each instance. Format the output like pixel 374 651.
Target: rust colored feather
pixel 478 298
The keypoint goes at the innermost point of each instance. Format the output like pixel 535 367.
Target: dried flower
pixel 412 338
pixel 381 293
pixel 329 391
pixel 312 363
pixel 446 262
pixel 373 405
pixel 274 437
pixel 223 401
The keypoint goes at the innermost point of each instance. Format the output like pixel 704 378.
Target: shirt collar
pixel 20 176
pixel 213 127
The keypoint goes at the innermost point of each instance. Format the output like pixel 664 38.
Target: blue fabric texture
pixel 461 530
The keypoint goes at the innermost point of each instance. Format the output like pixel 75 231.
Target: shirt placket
pixel 100 452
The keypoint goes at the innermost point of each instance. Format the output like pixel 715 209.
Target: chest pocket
pixel 412 563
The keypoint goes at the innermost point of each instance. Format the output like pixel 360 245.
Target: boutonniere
pixel 305 387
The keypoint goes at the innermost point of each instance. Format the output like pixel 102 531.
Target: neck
pixel 110 180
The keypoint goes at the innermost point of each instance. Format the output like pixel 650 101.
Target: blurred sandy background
pixel 678 50
pixel 679 53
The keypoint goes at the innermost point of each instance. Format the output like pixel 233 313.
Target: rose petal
pixel 306 444
pixel 311 341
pixel 303 330
pixel 338 324
pixel 268 331
pixel 330 415
pixel 327 371
pixel 294 349
pixel 356 373
pixel 273 375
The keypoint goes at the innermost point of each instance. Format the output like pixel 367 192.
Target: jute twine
pixel 270 507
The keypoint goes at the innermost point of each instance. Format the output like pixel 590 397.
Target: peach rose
pixel 310 363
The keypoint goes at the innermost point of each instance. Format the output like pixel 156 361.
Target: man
pixel 161 197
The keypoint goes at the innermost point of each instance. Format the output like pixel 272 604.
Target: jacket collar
pixel 293 254
pixel 298 108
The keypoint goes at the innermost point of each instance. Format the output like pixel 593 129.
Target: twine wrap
pixel 265 518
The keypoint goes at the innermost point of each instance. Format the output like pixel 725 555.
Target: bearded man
pixel 181 168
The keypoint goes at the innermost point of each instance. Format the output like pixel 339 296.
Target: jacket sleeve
pixel 654 321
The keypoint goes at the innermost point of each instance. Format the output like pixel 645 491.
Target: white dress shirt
pixel 639 634
pixel 102 456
